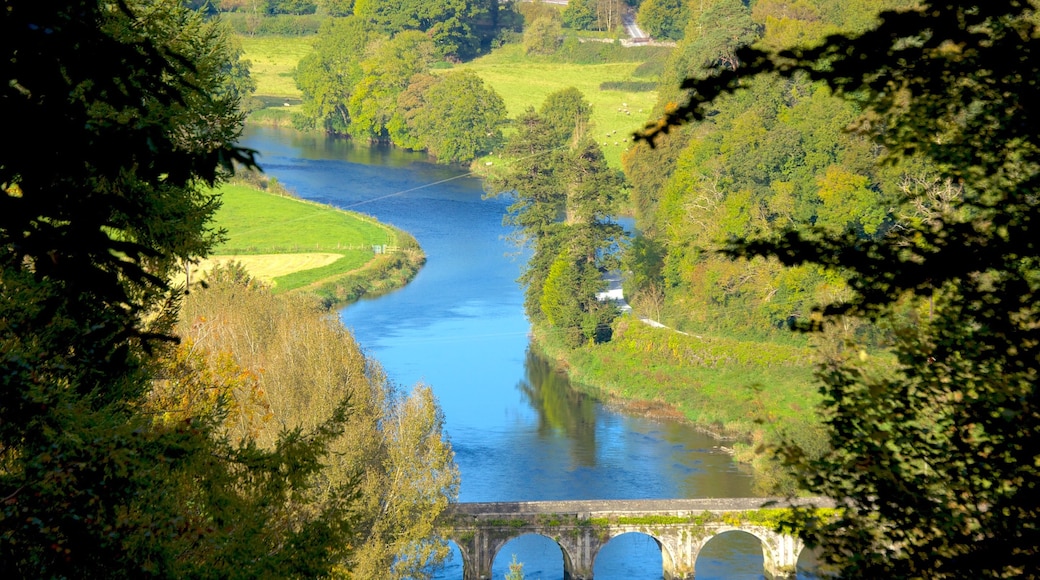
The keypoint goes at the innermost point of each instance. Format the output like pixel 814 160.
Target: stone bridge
pixel 679 527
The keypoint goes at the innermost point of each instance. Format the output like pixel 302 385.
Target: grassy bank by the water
pixel 753 392
pixel 299 245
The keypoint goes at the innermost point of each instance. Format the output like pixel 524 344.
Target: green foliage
pixel 593 14
pixel 459 118
pixel 273 25
pixel 543 36
pixel 563 198
pixel 567 112
pixel 336 7
pixel 92 223
pixel 932 460
pixel 652 520
pixel 377 88
pixel 663 18
pixel 328 76
pixel 580 15
pixel 766 161
pixel 454 26
pixel 385 75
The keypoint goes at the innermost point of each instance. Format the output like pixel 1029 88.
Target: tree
pixel 563 196
pixel 933 452
pixel 336 7
pixel 386 72
pixel 580 14
pixel 516 570
pixel 664 18
pixel 329 75
pixel 451 24
pixel 567 112
pixel 132 119
pixel 460 118
pixel 538 201
pixel 392 450
pixel 722 28
pixel 543 36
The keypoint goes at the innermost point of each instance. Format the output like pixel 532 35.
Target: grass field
pixel 520 80
pixel 274 59
pixel 293 243
pixel 524 82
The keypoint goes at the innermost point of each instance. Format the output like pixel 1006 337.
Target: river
pixel 519 431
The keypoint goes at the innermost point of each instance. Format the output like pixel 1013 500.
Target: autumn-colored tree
pixel 392 450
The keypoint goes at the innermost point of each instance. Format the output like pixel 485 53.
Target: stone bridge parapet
pixel 581 528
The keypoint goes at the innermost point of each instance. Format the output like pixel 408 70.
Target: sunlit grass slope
pixel 273 60
pixel 293 243
pixel 525 82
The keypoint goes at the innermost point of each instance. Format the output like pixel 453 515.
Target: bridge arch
pixel 667 558
pixel 499 545
pixel 780 552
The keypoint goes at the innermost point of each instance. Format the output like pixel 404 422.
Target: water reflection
pixel 730 556
pixel 561 409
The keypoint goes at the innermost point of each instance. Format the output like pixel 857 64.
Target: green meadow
pixel 273 60
pixel 521 81
pixel 524 82
pixel 292 243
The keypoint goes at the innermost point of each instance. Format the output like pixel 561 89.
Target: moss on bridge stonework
pixel 775 519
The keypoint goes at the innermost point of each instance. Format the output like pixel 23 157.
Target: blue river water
pixel 519 431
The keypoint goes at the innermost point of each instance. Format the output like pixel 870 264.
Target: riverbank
pixel 749 393
pixel 301 246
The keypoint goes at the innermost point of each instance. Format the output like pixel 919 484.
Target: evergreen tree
pixel 564 194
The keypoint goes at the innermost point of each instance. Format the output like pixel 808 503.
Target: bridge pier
pixel 780 552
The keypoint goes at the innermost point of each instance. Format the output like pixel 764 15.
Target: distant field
pixel 521 82
pixel 293 243
pixel 274 59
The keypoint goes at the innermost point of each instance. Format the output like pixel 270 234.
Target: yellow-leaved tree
pixel 299 363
